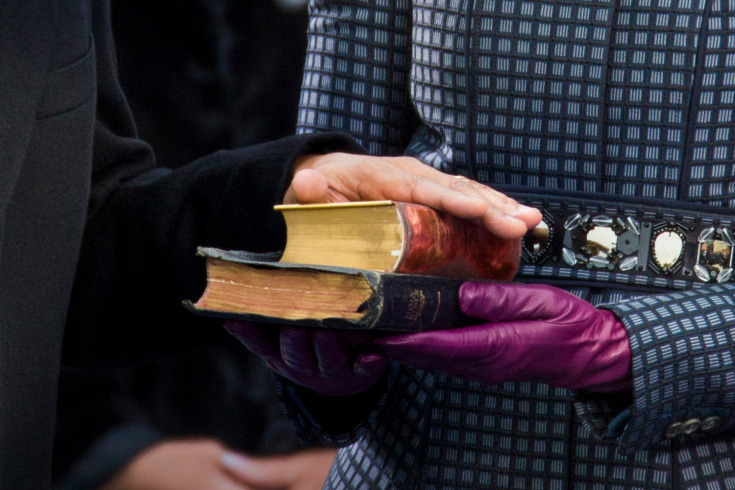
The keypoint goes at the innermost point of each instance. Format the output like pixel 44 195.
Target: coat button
pixel 691 426
pixel 673 430
pixel 711 422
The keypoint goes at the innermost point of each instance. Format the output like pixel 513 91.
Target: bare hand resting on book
pixel 341 177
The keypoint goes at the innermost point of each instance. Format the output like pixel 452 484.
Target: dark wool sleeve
pixel 137 261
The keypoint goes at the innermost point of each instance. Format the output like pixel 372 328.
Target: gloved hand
pixel 327 362
pixel 531 333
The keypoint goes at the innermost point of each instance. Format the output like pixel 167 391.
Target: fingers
pixel 282 347
pixel 516 302
pixel 187 464
pixel 371 365
pixel 499 212
pixel 263 473
pixel 266 341
pixel 495 201
pixel 297 350
pixel 301 471
pixel 427 350
pixel 261 340
pixel 497 215
pixel 310 355
pixel 336 358
pixel 332 354
pixel 488 353
pixel 341 177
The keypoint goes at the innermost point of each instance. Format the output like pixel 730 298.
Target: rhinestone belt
pixel 629 243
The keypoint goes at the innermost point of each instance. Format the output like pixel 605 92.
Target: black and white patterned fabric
pixel 631 98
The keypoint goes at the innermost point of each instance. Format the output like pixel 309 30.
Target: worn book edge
pixel 399 302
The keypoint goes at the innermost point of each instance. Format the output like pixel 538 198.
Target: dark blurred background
pixel 200 75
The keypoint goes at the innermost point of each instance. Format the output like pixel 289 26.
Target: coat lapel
pixel 26 34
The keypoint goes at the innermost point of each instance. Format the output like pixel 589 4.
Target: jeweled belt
pixel 641 243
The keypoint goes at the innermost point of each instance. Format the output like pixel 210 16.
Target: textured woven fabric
pixel 632 98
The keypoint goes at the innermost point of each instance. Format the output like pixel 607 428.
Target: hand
pixel 327 362
pixel 195 464
pixel 532 333
pixel 340 177
pixel 305 470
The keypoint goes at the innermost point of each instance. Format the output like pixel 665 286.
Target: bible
pixel 398 237
pixel 378 266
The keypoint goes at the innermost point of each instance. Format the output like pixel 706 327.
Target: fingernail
pixel 235 461
pixel 520 209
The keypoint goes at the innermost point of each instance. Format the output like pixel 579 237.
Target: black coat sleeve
pixel 137 261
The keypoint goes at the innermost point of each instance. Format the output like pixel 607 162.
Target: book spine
pixel 439 244
pixel 411 303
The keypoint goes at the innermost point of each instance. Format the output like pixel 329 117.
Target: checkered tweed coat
pixel 597 99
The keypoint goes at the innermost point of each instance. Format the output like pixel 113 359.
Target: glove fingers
pixel 426 350
pixel 369 364
pixel 332 354
pixel 489 353
pixel 261 340
pixel 297 349
pixel 511 302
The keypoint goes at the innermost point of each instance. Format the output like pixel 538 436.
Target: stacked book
pixel 361 265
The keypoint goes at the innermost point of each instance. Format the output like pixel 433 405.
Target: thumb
pixel 502 302
pixel 307 186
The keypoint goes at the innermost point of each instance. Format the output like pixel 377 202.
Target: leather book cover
pixel 439 244
pixel 390 301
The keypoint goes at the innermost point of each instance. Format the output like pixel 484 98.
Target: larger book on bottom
pixel 255 287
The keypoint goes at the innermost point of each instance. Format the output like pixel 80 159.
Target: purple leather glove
pixel 327 362
pixel 532 333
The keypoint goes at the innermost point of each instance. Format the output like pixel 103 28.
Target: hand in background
pixel 206 464
pixel 531 333
pixel 339 177
pixel 305 470
pixel 327 362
